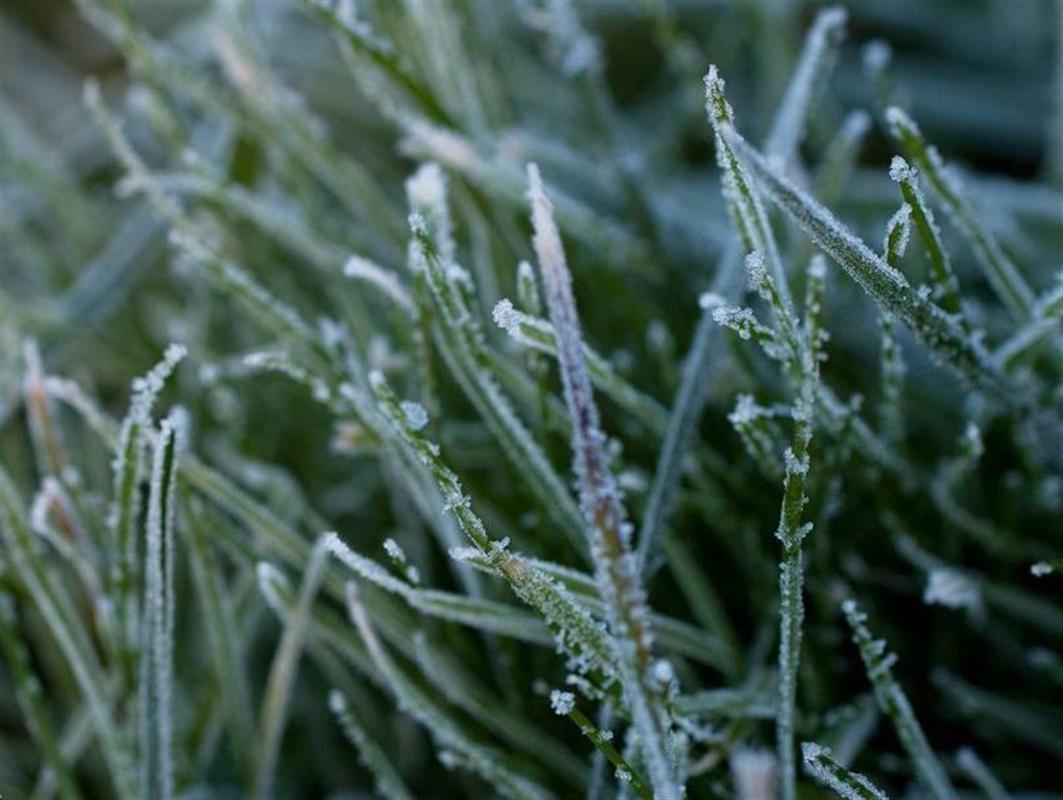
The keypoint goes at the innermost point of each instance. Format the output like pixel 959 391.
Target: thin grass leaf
pixel 743 199
pixel 744 703
pixel 577 634
pixel 671 634
pixel 498 178
pixel 538 334
pixel 481 613
pixel 388 781
pixel 845 783
pixel 686 411
pixel 29 694
pixel 891 406
pixel 810 77
pixel 360 38
pixel 894 704
pixel 466 691
pixel 1035 726
pixel 791 533
pixel 480 759
pixel 977 771
pixel 937 330
pixel 218 616
pixel 48 450
pixel 124 518
pixel 461 341
pixel 564 704
pixel 283 670
pixel 946 287
pixel 1002 274
pixel 156 650
pixel 83 663
pixel 363 269
pixel 606 525
pixel 1045 321
pixel 840 156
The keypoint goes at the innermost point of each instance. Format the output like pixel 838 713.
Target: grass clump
pixel 501 377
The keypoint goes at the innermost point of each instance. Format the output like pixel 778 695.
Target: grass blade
pixel 156 649
pixel 606 523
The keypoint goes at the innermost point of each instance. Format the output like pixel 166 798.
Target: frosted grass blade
pixel 83 663
pixel 284 668
pixel 607 527
pixel 1002 274
pixel 388 780
pixel 894 704
pixel 483 761
pixel 156 651
pixel 937 331
pixel 845 783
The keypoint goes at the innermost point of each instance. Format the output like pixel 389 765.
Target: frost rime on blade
pixel 607 525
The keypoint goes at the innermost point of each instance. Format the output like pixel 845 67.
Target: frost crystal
pixel 953 589
pixel 505 316
pixel 901 170
pixel 426 190
pixel 146 388
pixel 394 551
pixel 849 785
pixel 710 300
pixel 1041 568
pixel 562 702
pixel 416 416
pixel 876 56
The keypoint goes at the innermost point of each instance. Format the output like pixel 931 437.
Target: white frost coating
pixel 415 413
pixel 505 316
pixel 663 671
pixel 1003 276
pixel 269 578
pixel 363 269
pixel 147 388
pixel 817 268
pixel 898 233
pixel 848 784
pixel 607 527
pixel 740 320
pixel 952 589
pixel 1041 568
pixel 51 496
pixel 746 410
pixel 876 56
pixel 817 59
pixel 754 773
pixel 901 170
pixel 894 703
pixel 934 327
pixel 971 443
pixel 568 44
pixel 426 191
pixel 758 273
pixel 394 551
pixel 562 702
pixel 388 782
pixel 398 556
pixel 710 300
pixel 156 690
pixel 739 192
